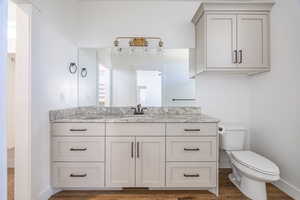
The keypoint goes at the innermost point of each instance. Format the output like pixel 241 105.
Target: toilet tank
pixel 232 137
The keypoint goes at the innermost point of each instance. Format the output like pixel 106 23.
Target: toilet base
pixel 253 189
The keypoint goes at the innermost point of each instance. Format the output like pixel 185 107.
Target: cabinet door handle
pixel 187 130
pixel 76 149
pixel 138 149
pixel 191 175
pixel 132 144
pixel 78 175
pixel 241 56
pixel 78 130
pixel 235 59
pixel 191 149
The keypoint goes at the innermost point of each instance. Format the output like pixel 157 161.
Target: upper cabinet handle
pixel 241 56
pixel 235 59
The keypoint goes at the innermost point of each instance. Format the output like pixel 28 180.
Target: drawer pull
pixel 191 175
pixel 75 149
pixel 78 130
pixel 191 149
pixel 189 130
pixel 78 175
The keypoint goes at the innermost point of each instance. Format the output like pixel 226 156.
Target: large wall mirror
pixel 107 78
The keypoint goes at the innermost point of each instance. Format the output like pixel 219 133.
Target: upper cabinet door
pixel 150 162
pixel 221 41
pixel 120 162
pixel 253 41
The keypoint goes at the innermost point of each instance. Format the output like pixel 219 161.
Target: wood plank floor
pixel 227 192
pixel 10 183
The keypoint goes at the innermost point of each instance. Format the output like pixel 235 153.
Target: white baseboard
pixel 288 188
pixel 46 194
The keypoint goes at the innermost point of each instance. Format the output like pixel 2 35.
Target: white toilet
pixel 251 171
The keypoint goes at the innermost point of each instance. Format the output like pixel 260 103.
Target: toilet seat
pixel 256 162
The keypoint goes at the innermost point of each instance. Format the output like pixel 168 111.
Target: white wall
pixel 102 21
pixel 275 105
pixel 10 101
pixel 11 32
pixel 53 87
pixel 3 52
pixel 226 97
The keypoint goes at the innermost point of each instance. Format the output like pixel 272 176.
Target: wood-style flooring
pixel 10 183
pixel 227 192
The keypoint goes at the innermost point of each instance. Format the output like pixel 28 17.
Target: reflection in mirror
pixel 135 78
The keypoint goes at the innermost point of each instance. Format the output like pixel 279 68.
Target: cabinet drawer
pixel 70 175
pixel 78 129
pixel 135 129
pixel 191 174
pixel 191 129
pixel 191 149
pixel 78 149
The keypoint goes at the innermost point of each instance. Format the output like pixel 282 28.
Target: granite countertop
pixel 140 119
pixel 96 114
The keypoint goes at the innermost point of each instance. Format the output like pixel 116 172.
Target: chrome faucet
pixel 139 110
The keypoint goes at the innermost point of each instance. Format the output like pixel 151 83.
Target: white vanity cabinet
pixel 78 155
pixel 120 161
pixel 192 155
pixel 121 155
pixel 135 161
pixel 233 37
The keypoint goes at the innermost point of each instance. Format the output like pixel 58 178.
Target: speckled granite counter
pixel 124 114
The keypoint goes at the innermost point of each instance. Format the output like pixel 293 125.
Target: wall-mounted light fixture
pixel 138 45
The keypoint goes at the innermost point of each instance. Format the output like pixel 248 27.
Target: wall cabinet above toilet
pixel 232 37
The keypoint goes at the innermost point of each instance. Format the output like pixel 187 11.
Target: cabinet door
pixel 253 41
pixel 120 162
pixel 150 161
pixel 221 41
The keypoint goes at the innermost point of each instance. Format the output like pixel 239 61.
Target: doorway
pixel 10 127
pixel 16 97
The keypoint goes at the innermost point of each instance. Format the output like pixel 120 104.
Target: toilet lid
pixel 256 162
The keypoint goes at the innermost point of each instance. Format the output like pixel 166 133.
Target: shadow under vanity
pixel 110 148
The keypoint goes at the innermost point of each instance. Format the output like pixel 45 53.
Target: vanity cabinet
pixel 120 161
pixel 135 161
pixel 233 37
pixel 150 162
pixel 122 155
pixel 78 155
